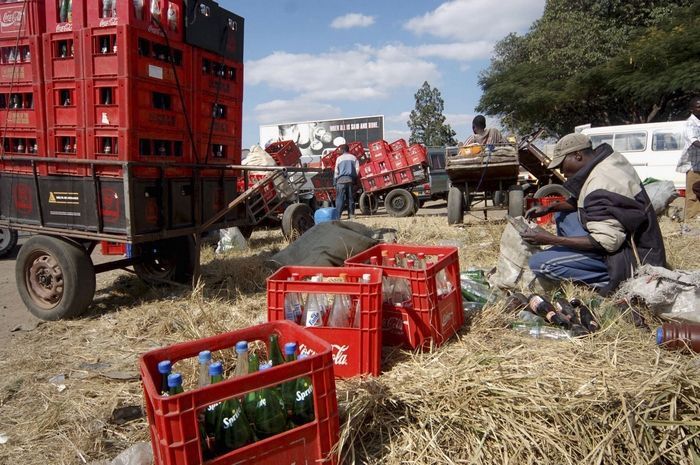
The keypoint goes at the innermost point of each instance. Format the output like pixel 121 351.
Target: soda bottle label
pixel 535 301
pixel 314 318
pixel 229 422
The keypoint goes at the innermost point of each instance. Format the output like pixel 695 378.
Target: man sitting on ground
pixel 605 229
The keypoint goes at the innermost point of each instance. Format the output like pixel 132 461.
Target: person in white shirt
pixel 690 160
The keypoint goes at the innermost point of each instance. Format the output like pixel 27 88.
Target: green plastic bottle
pixel 303 406
pixel 270 417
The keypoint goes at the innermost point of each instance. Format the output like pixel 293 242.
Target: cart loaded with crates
pixel 120 124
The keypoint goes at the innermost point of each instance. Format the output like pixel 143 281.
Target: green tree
pixel 426 122
pixel 598 61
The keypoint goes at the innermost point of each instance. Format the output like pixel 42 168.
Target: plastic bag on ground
pixel 138 454
pixel 231 239
pixel 512 270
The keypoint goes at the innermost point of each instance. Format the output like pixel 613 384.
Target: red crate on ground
pixel 173 420
pixel 168 13
pixel 397 160
pixel 63 56
pixel 433 317
pixel 23 143
pixel 71 22
pixel 368 169
pixel 20 61
pixel 113 248
pixel 416 154
pixel 21 19
pixel 68 143
pixel 121 51
pixel 379 150
pixel 403 176
pixel 124 103
pixel 398 145
pixel 219 115
pixel 22 107
pixel 356 351
pixel 285 153
pixel 65 104
pixel 216 75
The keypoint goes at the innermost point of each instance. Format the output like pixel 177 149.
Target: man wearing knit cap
pixel 605 229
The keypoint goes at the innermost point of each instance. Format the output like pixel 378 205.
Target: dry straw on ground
pixel 488 396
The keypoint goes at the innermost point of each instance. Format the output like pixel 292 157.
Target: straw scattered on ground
pixel 488 396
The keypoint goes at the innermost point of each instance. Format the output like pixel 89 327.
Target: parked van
pixel 653 148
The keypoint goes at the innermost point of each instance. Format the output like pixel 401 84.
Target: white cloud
pixel 463 20
pixel 459 51
pixel 361 73
pixel 352 20
pixel 400 118
pixel 395 134
pixel 300 109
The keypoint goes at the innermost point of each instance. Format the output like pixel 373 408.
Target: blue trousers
pixel 343 194
pixel 560 263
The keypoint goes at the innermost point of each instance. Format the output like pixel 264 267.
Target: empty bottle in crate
pixel 164 368
pixel 241 359
pixel 270 414
pixel 340 312
pixel 356 317
pixel 400 289
pixel 204 360
pixel 274 352
pixel 292 303
pixel 313 312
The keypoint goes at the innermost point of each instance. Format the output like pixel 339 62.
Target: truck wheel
pixel 55 277
pixel 516 199
pixel 400 203
pixel 552 189
pixel 8 241
pixel 296 220
pixel 166 260
pixel 455 206
pixel 368 204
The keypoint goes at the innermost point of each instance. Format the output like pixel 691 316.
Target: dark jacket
pixel 615 209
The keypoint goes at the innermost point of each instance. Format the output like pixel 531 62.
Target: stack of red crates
pixel 22 116
pixel 391 164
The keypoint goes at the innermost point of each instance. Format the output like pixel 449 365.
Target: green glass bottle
pixel 289 388
pixel 63 11
pixel 164 370
pixel 250 399
pixel 211 415
pixel 275 353
pixel 175 384
pixel 233 430
pixel 270 417
pixel 303 407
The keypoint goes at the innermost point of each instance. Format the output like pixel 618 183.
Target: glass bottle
pixel 292 303
pixel 175 384
pixel 357 316
pixel 289 388
pixel 544 308
pixel 270 416
pixel 250 399
pixel 679 336
pixel 63 11
pixel 164 368
pixel 138 9
pixel 400 291
pixel 313 315
pixel 274 352
pixel 211 414
pixel 204 361
pixel 241 359
pixel 155 9
pixel 303 407
pixel 588 320
pixel 233 429
pixel 340 313
pixel 444 285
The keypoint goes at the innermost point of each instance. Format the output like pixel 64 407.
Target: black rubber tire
pixel 400 203
pixel 455 206
pixel 552 189
pixel 369 204
pixel 296 220
pixel 8 241
pixel 45 261
pixel 516 201
pixel 166 260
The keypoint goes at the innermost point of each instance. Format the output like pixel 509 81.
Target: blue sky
pixel 322 59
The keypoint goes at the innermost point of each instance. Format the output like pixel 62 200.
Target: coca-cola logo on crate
pixel 106 22
pixel 393 325
pixel 11 19
pixel 340 353
pixel 64 27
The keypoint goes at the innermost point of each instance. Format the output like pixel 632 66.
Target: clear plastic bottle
pixel 241 359
pixel 339 316
pixel 204 360
pixel 292 303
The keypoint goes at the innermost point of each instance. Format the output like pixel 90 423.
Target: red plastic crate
pixel 173 421
pixel 285 153
pixel 62 53
pixel 123 12
pixel 77 16
pixel 387 179
pixel 383 166
pixel 403 176
pixel 65 104
pixel 23 143
pixel 135 104
pixel 397 160
pixel 356 351
pixel 372 183
pixel 21 19
pixel 221 150
pixel 268 189
pixel 325 195
pixel 20 61
pixel 357 149
pixel 545 201
pixel 379 150
pixel 323 180
pixel 368 169
pixel 398 145
pixel 22 107
pixel 121 51
pixel 433 318
pixel 216 75
pixel 113 248
pixel 328 161
pixel 219 115
pixel 60 142
pixel 416 154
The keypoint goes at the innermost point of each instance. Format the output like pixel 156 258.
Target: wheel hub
pixel 45 278
pixel 4 237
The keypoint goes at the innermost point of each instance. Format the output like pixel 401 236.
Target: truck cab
pixel 438 184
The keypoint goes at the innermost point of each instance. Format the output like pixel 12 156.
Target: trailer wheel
pixel 296 220
pixel 55 277
pixel 400 203
pixel 516 200
pixel 8 241
pixel 455 206
pixel 166 260
pixel 369 204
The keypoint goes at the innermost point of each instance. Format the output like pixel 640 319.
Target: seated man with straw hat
pixel 605 229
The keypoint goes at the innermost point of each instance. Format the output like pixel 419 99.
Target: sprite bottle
pixel 175 384
pixel 211 415
pixel 164 368
pixel 233 430
pixel 250 399
pixel 289 388
pixel 270 417
pixel 275 354
pixel 303 401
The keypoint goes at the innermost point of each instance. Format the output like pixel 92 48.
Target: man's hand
pixel 536 212
pixel 538 236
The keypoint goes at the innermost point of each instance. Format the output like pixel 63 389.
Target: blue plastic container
pixel 325 214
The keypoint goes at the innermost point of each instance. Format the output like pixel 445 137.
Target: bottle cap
pixel 174 380
pixel 216 369
pixel 659 336
pixel 242 346
pixel 164 367
pixel 290 348
pixel 204 356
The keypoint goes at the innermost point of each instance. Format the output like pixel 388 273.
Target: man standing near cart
pixel 347 169
pixel 690 164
